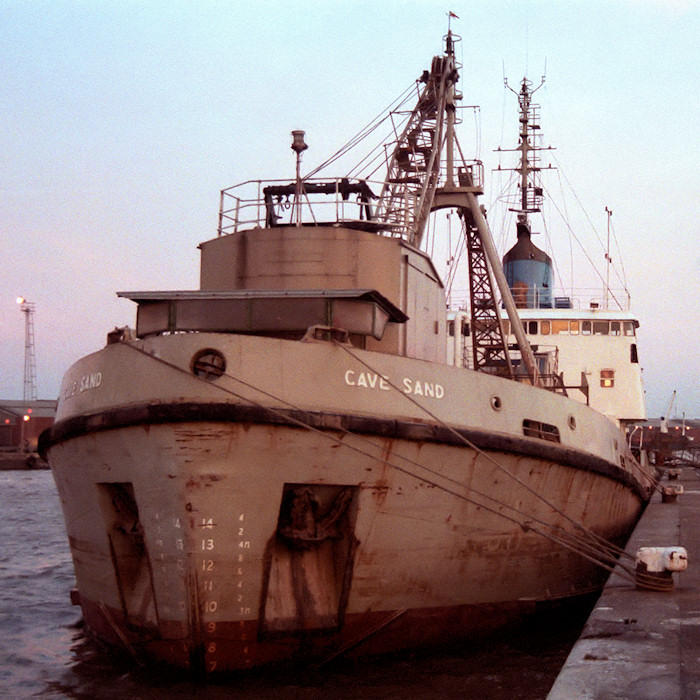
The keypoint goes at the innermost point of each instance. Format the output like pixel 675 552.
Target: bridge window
pixel 560 327
pixel 629 327
pixel 607 378
pixel 614 328
pixel 532 327
pixel 585 327
pixel 601 327
pixel 573 326
pixel 463 328
pixel 544 327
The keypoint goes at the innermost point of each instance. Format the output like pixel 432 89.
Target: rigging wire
pixel 595 231
pixel 583 250
pixel 571 238
pixel 366 130
pixel 623 281
pixel 577 525
pixel 606 557
pixel 555 262
pixel 471 444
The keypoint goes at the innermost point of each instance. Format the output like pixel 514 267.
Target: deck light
pixel 298 143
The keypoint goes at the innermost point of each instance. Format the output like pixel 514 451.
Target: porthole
pixel 572 423
pixel 208 364
pixel 496 403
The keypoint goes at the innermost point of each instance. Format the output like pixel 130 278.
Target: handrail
pixel 354 201
pixel 270 203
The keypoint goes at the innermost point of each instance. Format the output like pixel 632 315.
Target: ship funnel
pixel 528 271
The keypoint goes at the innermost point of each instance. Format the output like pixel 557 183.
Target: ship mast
pixel 531 193
pixel 528 269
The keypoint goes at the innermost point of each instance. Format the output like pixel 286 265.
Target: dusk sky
pixel 122 120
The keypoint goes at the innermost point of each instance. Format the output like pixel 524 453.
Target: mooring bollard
pixel 655 567
pixel 670 493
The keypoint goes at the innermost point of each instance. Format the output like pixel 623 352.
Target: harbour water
pixel 44 652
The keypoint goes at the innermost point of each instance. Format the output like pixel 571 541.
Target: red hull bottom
pixel 236 645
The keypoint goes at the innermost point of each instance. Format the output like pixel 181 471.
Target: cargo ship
pixel 311 455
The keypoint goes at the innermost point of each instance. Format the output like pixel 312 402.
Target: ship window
pixel 208 364
pixel 573 328
pixel 543 431
pixel 463 328
pixel 614 328
pixel 601 327
pixel 532 327
pixel 544 327
pixel 585 327
pixel 607 378
pixel 629 328
pixel 633 353
pixel 560 327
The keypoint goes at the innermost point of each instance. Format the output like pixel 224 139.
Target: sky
pixel 122 120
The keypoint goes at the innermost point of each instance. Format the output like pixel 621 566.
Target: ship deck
pixel 640 643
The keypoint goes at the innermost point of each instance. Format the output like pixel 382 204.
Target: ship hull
pixel 227 534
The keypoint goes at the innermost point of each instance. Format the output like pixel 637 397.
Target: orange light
pixel 26 418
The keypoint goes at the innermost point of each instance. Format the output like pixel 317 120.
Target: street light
pixel 27 308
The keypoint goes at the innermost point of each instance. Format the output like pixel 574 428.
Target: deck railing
pixel 579 298
pixel 316 201
pixel 269 203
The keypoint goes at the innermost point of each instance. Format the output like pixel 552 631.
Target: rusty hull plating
pixel 285 465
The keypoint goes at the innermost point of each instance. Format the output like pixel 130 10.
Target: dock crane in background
pixel 664 419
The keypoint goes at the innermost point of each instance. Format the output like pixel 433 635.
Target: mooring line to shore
pixel 592 547
pixel 596 538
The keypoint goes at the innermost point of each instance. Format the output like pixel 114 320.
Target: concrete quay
pixel 640 644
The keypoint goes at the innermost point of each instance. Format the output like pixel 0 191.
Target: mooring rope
pixel 592 547
pixel 597 538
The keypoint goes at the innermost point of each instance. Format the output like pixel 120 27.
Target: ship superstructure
pixel 287 463
pixel 589 340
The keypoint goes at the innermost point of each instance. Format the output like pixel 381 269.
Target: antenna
pixel 608 259
pixel 529 168
pixel 28 308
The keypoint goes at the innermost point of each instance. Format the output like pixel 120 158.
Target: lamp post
pixel 298 146
pixel 28 308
